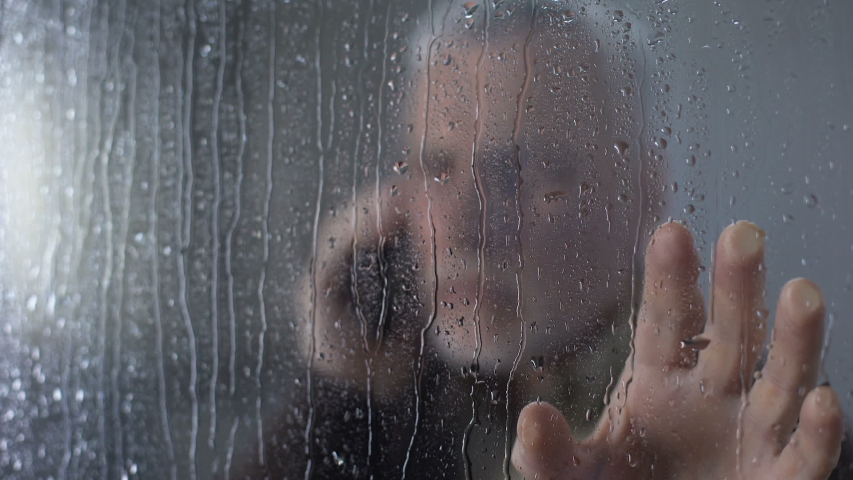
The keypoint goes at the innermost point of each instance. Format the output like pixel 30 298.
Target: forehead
pixel 531 94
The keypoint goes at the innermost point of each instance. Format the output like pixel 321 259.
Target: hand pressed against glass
pixel 705 417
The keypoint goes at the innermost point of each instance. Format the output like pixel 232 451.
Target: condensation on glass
pixel 340 239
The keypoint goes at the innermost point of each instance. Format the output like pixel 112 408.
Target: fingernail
pixel 747 238
pixel 532 434
pixel 827 400
pixel 807 296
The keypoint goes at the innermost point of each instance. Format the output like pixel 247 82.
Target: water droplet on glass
pixel 337 458
pixel 691 160
pixel 655 38
pixel 810 200
pixel 538 362
pixel 470 8
pixel 401 167
pixel 696 343
pixel 621 148
pixel 689 209
pixel 443 178
pixel 32 302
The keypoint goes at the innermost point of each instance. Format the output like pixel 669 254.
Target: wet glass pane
pixel 327 239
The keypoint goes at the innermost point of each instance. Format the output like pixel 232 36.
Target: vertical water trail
pixel 265 232
pixel 104 291
pixel 356 161
pixel 84 220
pixel 419 369
pixel 76 252
pixel 184 231
pixel 106 277
pixel 481 237
pixel 229 236
pixel 229 456
pixel 121 251
pixel 217 195
pixel 354 268
pixel 368 365
pixel 309 426
pixel 380 246
pixel 333 92
pixel 519 271
pixel 153 230
pixel 635 266
pixel 50 274
pixel 87 189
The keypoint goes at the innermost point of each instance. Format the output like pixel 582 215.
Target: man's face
pixel 513 209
